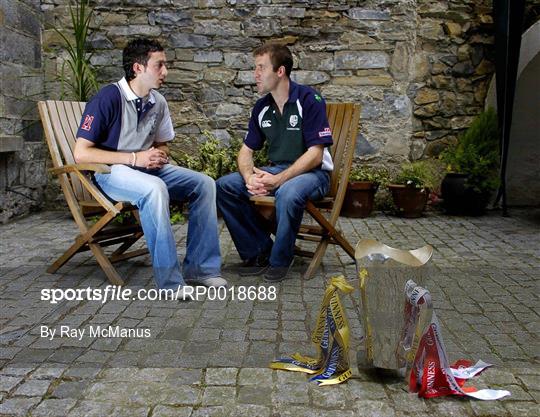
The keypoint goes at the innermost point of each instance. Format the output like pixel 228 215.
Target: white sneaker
pixel 209 282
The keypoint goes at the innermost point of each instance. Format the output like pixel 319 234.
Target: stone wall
pixel 22 150
pixel 419 68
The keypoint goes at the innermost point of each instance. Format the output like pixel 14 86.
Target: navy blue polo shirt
pixel 302 124
pixel 117 119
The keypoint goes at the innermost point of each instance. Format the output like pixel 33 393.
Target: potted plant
pixel 411 186
pixel 473 165
pixel 363 183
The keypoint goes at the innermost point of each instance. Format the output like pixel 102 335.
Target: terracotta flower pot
pixel 409 201
pixel 358 202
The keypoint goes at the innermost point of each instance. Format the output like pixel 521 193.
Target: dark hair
pixel 138 51
pixel 279 55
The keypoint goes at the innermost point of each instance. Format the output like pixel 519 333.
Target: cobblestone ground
pixel 209 358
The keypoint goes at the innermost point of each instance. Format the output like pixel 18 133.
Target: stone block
pixel 113 19
pixel 238 60
pixel 134 30
pixel 33 388
pixel 19 49
pixel 18 406
pixel 430 29
pixel 400 105
pixel 18 16
pixel 425 96
pixel 245 78
pixel 189 40
pixel 100 41
pixel 400 61
pixel 212 3
pixel 453 29
pixel 7 383
pixel 211 95
pixel 359 13
pixel 10 143
pixel 356 38
pixel 218 395
pixel 316 61
pixel 294 12
pixel 178 18
pixel 310 77
pixel 397 145
pixel 236 42
pixel 448 59
pixel 462 69
pixel 221 75
pixel 217 28
pixel 428 110
pixel 103 58
pixel 256 26
pixel 208 56
pixel 54 407
pixel 461 122
pixel 183 77
pixel 228 109
pixel 361 60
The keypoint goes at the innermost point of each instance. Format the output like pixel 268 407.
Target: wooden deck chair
pixel 344 120
pixel 60 122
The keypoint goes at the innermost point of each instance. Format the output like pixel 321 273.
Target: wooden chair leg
pixel 120 253
pixel 330 228
pixel 67 255
pixel 316 260
pixel 344 243
pixel 106 265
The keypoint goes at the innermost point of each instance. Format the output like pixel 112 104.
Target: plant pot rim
pixel 407 186
pixel 362 185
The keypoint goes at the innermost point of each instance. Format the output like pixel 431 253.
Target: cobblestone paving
pixel 209 358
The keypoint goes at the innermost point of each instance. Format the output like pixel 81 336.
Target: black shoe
pixel 276 273
pixel 254 266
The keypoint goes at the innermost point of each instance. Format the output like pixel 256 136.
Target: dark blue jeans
pixel 245 225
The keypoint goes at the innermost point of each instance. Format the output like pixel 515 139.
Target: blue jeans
pixel 150 191
pixel 245 224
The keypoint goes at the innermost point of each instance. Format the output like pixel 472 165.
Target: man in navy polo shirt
pixel 291 118
pixel 127 125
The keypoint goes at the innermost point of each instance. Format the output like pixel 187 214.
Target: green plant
pixel 426 173
pixel 214 159
pixel 177 217
pixel 477 153
pixel 81 78
pixel 371 174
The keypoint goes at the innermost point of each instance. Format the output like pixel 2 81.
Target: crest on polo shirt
pixel 293 120
pixel 87 124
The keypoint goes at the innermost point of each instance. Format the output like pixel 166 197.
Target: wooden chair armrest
pixel 73 168
pixel 77 169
